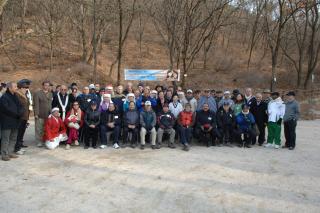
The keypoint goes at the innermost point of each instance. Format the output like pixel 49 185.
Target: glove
pixel 279 121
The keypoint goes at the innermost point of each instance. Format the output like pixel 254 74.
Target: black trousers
pixel 203 136
pixel 134 134
pixel 91 133
pixel 21 131
pixel 248 136
pixel 226 133
pixel 290 133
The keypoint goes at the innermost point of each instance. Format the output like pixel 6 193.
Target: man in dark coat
pixel 11 112
pixel 259 110
pixel 61 100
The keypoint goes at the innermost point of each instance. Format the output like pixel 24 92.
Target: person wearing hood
pixel 11 111
pixel 129 98
pixel 290 118
pixel 55 130
pixel 104 105
pixel 119 98
pixel 208 99
pixel 246 126
pixel 166 121
pixel 23 86
pixel 191 100
pixel 276 110
pixel 148 122
pixel 92 121
pixel 131 121
pixel 226 99
pixel 110 122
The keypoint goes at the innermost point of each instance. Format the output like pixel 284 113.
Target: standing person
pixel 290 118
pixel 245 123
pixel 239 101
pixel 128 89
pixel 84 99
pixel 129 98
pixel 73 95
pixel 131 121
pixel 148 122
pixel 186 121
pixel 208 99
pixel 42 109
pixel 175 106
pixel 54 130
pixel 266 96
pixel 226 99
pixel 92 121
pixel 206 124
pixel 259 110
pixel 219 96
pixel 119 98
pixel 11 112
pixel 110 122
pixel 225 124
pixel 276 110
pixel 249 98
pixel 160 102
pixel 74 121
pixel 169 96
pixel 21 93
pixel 182 98
pixel 61 100
pixel 166 121
pixel 146 97
pixel 191 100
pixel 104 105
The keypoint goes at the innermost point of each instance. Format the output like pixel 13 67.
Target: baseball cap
pixel 148 103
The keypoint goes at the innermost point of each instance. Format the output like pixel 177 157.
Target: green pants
pixel 274 132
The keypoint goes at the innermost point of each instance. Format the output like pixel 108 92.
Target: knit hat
pixel 55 109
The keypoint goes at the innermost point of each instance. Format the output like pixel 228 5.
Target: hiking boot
pixel 5 158
pixel 24 146
pixel 153 146
pixel 172 146
pixel 248 146
pixel 13 156
pixel 142 147
pixel 291 148
pixel 68 147
pixel 133 145
pixel 158 146
pixel 186 147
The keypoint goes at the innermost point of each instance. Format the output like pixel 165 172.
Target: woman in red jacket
pixel 74 121
pixel 54 130
pixel 186 120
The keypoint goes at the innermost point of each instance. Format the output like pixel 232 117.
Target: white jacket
pixel 276 110
pixel 175 110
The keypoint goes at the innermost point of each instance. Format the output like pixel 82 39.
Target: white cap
pixel 55 109
pixel 148 103
pixel 227 92
pixel 109 87
pixel 91 86
pixel 154 92
pixel 189 91
pixel 130 95
pixel 107 95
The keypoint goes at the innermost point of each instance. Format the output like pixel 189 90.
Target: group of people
pixel 135 116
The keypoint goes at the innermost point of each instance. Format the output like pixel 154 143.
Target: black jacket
pixel 55 102
pixel 225 119
pixel 11 111
pixel 108 117
pixel 205 118
pixel 259 112
pixel 166 120
pixel 92 117
pixel 131 117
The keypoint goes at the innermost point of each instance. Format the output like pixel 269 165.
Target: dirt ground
pixel 131 180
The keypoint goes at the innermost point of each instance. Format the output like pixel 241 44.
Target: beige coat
pixel 25 104
pixel 42 104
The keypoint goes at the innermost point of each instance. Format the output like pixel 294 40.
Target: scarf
pixel 63 106
pixel 29 96
pixel 76 113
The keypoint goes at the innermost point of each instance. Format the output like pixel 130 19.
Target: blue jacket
pixel 245 122
pixel 141 100
pixel 210 101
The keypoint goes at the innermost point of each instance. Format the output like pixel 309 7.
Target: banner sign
pixel 151 75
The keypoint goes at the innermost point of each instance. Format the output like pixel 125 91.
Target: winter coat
pixel 84 101
pixel 148 119
pixel 92 117
pixel 210 101
pixel 175 108
pixel 142 100
pixel 11 111
pixel 166 120
pixel 53 128
pixel 25 104
pixel 245 122
pixel 221 103
pixel 42 104
pixel 206 118
pixel 259 111
pixel 111 116
pixel 225 119
pixel 118 101
pixel 186 119
pixel 131 117
pixel 276 110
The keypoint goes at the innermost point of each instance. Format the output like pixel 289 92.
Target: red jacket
pixel 53 128
pixel 67 120
pixel 186 119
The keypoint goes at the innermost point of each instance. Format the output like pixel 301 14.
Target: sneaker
pixel 76 143
pixel 284 147
pixel 24 146
pixel 158 146
pixel 13 156
pixel 142 147
pixel 172 146
pixel 268 145
pixel 6 158
pixel 116 146
pixel 153 146
pixel 94 147
pixel 133 145
pixel 291 148
pixel 67 146
pixel 23 150
pixel 40 144
pixel 248 146
pixel 20 152
pixel 276 146
pixel 103 147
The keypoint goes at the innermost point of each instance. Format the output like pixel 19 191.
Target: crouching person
pixel 54 130
pixel 74 121
pixel 246 126
pixel 206 125
pixel 92 121
pixel 148 121
pixel 166 122
pixel 186 121
pixel 131 124
pixel 225 123
pixel 111 123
